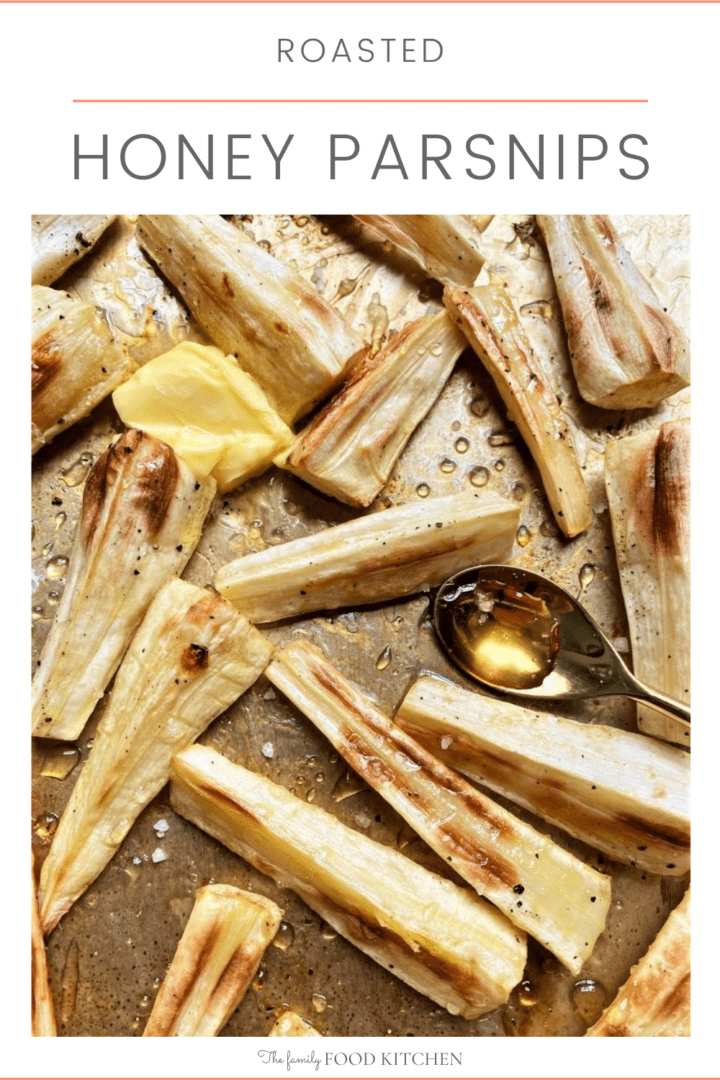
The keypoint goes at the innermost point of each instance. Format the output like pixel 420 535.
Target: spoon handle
pixel 663 702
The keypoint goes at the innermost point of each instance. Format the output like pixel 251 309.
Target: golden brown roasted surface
pixel 43 1009
pixel 627 353
pixel 142 515
pixel 655 1000
pixel 215 962
pixel 648 484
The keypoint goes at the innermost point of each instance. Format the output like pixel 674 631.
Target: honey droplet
pixel 518 491
pixel 46 826
pixel 60 761
pixel 447 465
pixel 319 1003
pixel 479 407
pixel 501 438
pixel 349 783
pixel 523 536
pixel 78 471
pixel 589 999
pixel 69 983
pixel 284 937
pixel 60 519
pixel 423 490
pixel 585 577
pixel 259 981
pixel 498 465
pixel 543 308
pixel 526 996
pixel 56 567
pixel 328 932
pixel 479 476
pixel 462 445
pixel 548 528
pixel 384 658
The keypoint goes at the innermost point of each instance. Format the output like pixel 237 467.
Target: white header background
pixel 56 52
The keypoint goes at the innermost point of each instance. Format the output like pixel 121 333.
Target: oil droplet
pixel 548 528
pixel 55 568
pixel 301 781
pixel 589 998
pixel 502 438
pixel 447 465
pixel 37 612
pixel 265 245
pixel 543 308
pixel 423 490
pixel 48 549
pixel 319 777
pixel 384 658
pixel 462 445
pixel 479 476
pixel 77 472
pixel 259 981
pixel 518 491
pixel 311 794
pixel 285 936
pixel 301 222
pixel 349 783
pixel 379 321
pixel 346 286
pixel 319 1003
pixel 526 995
pixel 523 536
pixel 328 932
pixel 69 983
pixel 53 598
pixel 498 465
pixel 585 577
pixel 46 826
pixel 479 407
pixel 60 761
pixel 455 425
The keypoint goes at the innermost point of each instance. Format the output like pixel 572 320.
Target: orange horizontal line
pixel 357 101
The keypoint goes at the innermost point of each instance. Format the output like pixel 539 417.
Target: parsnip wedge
pixel 141 518
pixel 350 448
pixel 293 343
pixel 444 941
pixel 43 1008
pixel 655 1000
pixel 76 362
pixel 647 477
pixel 626 352
pixel 445 245
pixel 215 962
pixel 59 241
pixel 291 1025
pixel 384 555
pixel 192 657
pixel 487 317
pixel 539 886
pixel 617 791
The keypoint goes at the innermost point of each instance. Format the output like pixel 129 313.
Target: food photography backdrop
pixel 498 78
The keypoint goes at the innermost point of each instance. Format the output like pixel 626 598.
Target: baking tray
pixel 108 955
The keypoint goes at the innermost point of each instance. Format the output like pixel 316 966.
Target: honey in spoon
pixel 497 630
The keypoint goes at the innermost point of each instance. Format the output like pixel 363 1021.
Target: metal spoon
pixel 516 631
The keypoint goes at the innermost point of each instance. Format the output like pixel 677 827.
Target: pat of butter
pixel 214 415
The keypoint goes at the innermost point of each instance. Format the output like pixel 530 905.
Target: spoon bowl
pixel 518 632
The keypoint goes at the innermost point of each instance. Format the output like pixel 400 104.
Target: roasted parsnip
pixel 384 555
pixel 445 245
pixel 539 886
pixel 444 941
pixel 76 362
pixel 215 962
pixel 626 352
pixel 655 1000
pixel 43 1008
pixel 192 657
pixel 487 317
pixel 58 242
pixel 290 1024
pixel 283 333
pixel 350 448
pixel 615 790
pixel 647 477
pixel 141 518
